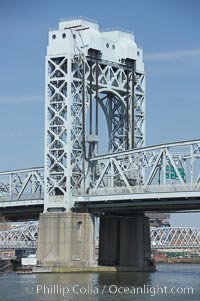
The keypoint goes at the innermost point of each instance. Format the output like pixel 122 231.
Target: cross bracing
pixel 22 184
pixel 87 70
pixel 175 237
pixel 21 237
pixel 68 101
pixel 161 168
pixel 167 168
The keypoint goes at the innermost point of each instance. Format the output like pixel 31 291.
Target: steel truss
pixel 24 184
pixel 169 167
pixel 21 237
pixel 72 85
pixel 175 237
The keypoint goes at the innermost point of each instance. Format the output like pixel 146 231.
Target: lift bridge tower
pixel 88 71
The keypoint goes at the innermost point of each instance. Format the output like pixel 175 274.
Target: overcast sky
pixel 169 33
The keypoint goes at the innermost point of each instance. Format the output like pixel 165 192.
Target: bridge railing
pixel 139 189
pixel 23 197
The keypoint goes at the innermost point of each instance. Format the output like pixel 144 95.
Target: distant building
pixel 7 254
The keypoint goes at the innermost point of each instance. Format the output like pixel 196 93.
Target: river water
pixel 170 282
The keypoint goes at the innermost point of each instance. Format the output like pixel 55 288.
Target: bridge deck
pixel 149 201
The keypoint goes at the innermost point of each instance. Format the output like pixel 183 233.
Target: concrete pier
pixel 125 241
pixel 66 239
pixel 67 243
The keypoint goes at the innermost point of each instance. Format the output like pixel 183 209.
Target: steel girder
pixel 175 237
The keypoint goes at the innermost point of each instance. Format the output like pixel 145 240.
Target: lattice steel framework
pixel 21 237
pixel 172 167
pixel 175 237
pixel 86 70
pixel 24 184
pixel 76 79
pixel 163 168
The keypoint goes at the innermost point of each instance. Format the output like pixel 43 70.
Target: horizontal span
pixel 146 148
pixel 140 196
pixel 18 203
pixel 3 173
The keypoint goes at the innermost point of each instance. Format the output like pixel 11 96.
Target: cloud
pixel 172 55
pixel 21 99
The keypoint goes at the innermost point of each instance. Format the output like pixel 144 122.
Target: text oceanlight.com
pixel 112 289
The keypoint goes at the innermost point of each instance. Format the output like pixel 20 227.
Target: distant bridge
pixel 20 237
pixel 175 237
pixel 26 237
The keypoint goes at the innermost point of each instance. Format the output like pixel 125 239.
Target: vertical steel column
pixel 97 100
pixel 97 95
pixel 127 110
pixel 133 108
pixel 10 190
pixel 91 130
pixel 83 123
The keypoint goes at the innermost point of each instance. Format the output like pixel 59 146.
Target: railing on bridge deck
pixel 139 189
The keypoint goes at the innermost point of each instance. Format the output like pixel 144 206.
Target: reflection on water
pixel 161 285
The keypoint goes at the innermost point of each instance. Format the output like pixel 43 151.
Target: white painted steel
pixel 85 65
pixel 21 237
pixel 169 167
pixel 129 175
pixel 175 238
pixel 22 187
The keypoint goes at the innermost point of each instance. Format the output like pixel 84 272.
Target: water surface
pixel 170 282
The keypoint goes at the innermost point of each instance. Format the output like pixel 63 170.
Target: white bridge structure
pixel 165 174
pixel 26 237
pixel 95 87
pixel 90 74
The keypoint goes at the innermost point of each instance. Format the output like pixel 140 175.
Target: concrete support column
pixel 66 239
pixel 108 241
pixel 147 238
pixel 130 244
pixel 124 241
